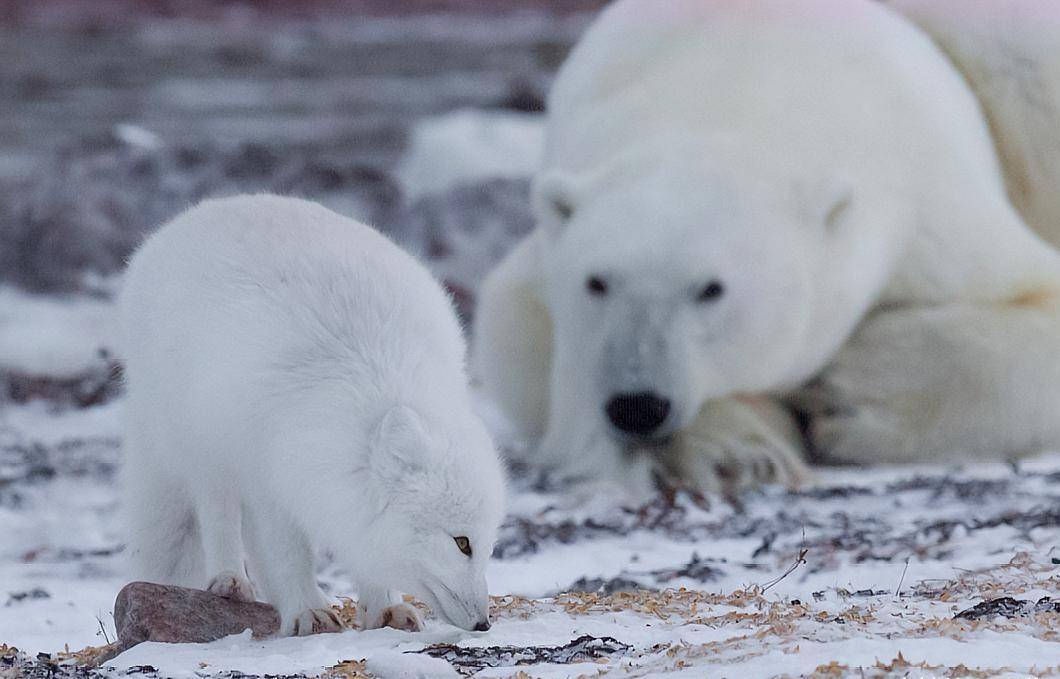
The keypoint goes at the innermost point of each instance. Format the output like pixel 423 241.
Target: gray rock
pixel 145 611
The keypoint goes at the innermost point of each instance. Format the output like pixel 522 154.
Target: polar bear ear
pixel 400 443
pixel 554 201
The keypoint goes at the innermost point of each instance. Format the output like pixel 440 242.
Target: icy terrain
pixel 879 563
pixel 427 126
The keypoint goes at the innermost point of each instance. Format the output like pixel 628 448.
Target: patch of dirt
pixel 1008 607
pixel 470 660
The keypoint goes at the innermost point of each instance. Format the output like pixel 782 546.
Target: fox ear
pixel 555 201
pixel 400 441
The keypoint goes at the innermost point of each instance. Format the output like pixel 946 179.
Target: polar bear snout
pixel 641 414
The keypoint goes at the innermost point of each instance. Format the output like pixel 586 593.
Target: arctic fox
pixel 296 382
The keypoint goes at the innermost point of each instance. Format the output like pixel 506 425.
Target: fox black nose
pixel 640 414
pixel 482 626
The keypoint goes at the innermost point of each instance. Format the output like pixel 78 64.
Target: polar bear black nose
pixel 640 414
pixel 482 626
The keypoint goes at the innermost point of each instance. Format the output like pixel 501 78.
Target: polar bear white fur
pixel 296 382
pixel 745 204
pixel 1009 53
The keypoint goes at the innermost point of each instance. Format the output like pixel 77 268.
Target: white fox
pixel 296 382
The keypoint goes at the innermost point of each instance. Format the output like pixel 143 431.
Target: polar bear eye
pixel 463 544
pixel 711 291
pixel 596 286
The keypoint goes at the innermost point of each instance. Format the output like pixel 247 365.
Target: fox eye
pixel 711 291
pixel 596 286
pixel 463 544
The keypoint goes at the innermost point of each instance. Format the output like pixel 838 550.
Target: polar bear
pixel 1009 53
pixel 296 382
pixel 749 206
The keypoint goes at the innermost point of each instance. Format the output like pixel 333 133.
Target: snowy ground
pixel 881 562
pixel 425 126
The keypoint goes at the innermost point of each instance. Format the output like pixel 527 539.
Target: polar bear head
pixel 673 279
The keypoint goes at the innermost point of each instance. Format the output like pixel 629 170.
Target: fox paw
pixel 399 616
pixel 231 586
pixel 316 621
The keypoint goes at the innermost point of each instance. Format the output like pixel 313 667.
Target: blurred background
pixel 418 116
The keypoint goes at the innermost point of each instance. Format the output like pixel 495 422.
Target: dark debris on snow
pixel 468 660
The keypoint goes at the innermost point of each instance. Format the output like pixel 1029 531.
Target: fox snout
pixel 478 618
pixel 482 619
pixel 470 611
pixel 471 618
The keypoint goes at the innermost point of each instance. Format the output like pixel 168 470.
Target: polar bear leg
pixel 576 442
pixel 740 442
pixel 957 382
pixel 512 336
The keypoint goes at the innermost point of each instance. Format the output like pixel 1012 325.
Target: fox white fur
pixel 296 382
pixel 826 163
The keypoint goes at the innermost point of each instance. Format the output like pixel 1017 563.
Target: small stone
pixel 1004 606
pixel 144 611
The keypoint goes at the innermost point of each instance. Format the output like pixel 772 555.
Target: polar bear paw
pixel 733 466
pixel 738 444
pixel 844 426
pixel 863 435
pixel 231 586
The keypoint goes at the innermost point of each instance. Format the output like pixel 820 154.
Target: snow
pixel 874 529
pixel 891 555
pixel 469 146
pixel 134 135
pixel 291 655
pixel 53 336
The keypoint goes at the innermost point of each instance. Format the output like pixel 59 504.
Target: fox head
pixel 440 502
